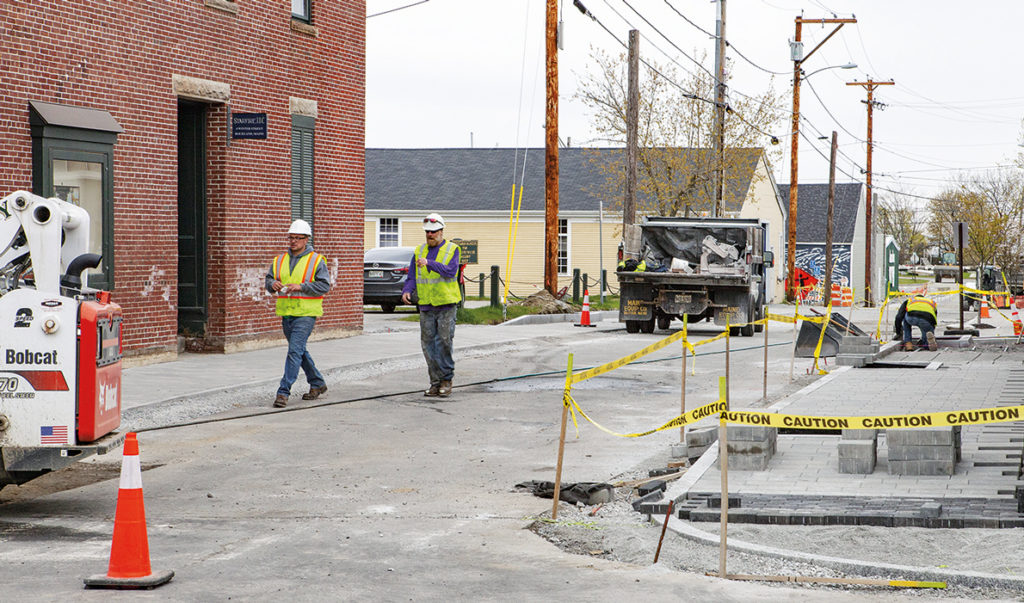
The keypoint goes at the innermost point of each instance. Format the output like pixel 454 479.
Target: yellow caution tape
pixel 610 366
pixel 916 584
pixel 948 418
pixel 708 410
pixel 782 318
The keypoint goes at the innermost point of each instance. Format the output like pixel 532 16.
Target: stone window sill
pixel 303 27
pixel 228 6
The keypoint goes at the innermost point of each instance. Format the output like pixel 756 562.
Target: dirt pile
pixel 543 302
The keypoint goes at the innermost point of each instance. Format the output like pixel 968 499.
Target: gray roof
pixel 481 179
pixel 812 211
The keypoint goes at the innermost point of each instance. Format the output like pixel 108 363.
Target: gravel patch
pixel 614 531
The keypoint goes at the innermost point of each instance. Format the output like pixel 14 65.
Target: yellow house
pixel 472 190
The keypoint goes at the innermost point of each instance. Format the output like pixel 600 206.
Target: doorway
pixel 192 281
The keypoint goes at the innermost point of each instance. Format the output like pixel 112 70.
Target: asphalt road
pixel 400 498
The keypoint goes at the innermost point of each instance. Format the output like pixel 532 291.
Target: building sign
pixel 467 255
pixel 249 125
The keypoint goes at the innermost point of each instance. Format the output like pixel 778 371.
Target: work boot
pixel 932 344
pixel 434 391
pixel 314 393
pixel 281 401
pixel 445 390
pixel 909 346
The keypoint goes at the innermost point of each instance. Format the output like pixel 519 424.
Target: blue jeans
pixel 437 331
pixel 297 329
pixel 915 321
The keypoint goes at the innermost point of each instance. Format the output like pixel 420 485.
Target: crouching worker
pixel 920 312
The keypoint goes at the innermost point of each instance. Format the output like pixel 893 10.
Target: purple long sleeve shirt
pixel 449 270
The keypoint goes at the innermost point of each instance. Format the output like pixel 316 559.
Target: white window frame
pixel 568 246
pixel 398 232
pixel 305 13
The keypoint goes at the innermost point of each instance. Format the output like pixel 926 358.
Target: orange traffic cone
pixel 984 310
pixel 129 551
pixel 585 314
pixel 1017 325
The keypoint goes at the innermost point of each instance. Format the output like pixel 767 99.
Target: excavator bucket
pixel 810 332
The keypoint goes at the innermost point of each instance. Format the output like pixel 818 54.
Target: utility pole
pixel 799 57
pixel 632 117
pixel 551 151
pixel 719 143
pixel 827 291
pixel 870 85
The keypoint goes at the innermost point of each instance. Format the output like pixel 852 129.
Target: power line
pixel 396 9
pixel 727 43
pixel 825 107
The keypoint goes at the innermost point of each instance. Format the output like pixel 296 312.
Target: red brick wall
pixel 120 57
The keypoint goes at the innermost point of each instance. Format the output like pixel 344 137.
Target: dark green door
pixel 192 310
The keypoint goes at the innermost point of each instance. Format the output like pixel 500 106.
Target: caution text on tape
pixel 975 416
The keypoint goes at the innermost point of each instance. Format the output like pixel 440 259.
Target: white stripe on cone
pixel 131 473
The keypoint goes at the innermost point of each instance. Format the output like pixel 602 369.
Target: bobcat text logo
pixel 30 357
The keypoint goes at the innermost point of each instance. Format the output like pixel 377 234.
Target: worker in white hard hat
pixel 433 275
pixel 300 280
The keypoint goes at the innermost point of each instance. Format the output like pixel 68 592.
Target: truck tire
pixel 632 326
pixel 734 331
pixel 747 330
pixel 647 326
pixel 938 278
pixel 664 320
pixel 388 308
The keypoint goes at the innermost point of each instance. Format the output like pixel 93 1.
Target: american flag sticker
pixel 53 434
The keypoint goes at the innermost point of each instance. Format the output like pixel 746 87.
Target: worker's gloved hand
pixel 630 265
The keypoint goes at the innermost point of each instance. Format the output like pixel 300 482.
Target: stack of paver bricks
pixel 856 350
pixel 858 451
pixel 750 447
pixel 923 451
pixel 699 440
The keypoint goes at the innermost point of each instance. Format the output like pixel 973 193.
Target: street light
pixel 798 74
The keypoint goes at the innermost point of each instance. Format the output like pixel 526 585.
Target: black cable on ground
pixel 271 411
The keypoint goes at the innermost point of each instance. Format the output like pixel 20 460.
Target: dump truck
pixel 700 268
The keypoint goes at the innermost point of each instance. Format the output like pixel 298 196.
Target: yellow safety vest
pixel 298 304
pixel 432 288
pixel 922 304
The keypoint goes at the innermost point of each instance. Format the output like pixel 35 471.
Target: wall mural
pixel 810 269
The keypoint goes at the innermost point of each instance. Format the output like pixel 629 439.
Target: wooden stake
pixel 818 580
pixel 723 456
pixel 664 526
pixel 682 389
pixel 561 439
pixel 764 387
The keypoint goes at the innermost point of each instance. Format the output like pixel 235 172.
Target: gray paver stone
pixel 751 433
pixel 702 437
pixel 922 436
pixel 922 467
pixel 860 434
pixel 922 453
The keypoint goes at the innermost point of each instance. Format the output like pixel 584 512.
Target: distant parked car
pixel 385 270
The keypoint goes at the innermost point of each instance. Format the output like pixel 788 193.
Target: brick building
pixel 139 112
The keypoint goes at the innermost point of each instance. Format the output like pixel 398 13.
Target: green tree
pixel 992 205
pixel 900 217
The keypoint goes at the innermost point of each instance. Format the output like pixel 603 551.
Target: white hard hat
pixel 301 227
pixel 433 222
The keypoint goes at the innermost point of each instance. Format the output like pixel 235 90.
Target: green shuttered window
pixel 302 167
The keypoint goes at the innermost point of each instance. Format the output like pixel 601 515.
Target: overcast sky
pixel 447 72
